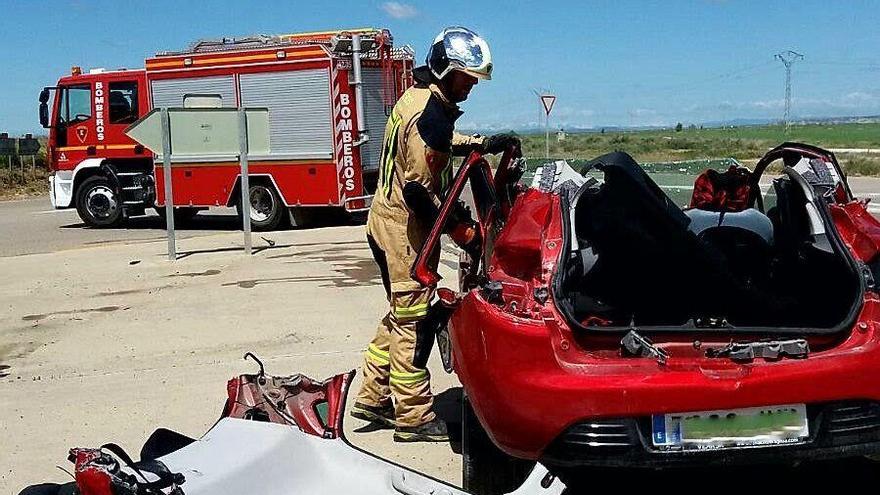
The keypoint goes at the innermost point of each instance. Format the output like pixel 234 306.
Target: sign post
pixel 28 146
pixel 166 175
pixel 245 182
pixel 204 134
pixel 547 100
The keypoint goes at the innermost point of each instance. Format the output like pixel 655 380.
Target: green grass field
pixel 746 144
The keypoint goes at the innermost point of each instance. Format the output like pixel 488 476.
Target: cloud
pixel 642 112
pixel 861 98
pixel 399 10
pixel 766 104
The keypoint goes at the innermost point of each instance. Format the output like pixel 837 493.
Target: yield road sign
pixel 548 101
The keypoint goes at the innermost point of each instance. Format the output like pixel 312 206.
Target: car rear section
pixel 668 354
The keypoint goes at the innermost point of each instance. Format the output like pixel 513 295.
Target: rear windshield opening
pixel 640 259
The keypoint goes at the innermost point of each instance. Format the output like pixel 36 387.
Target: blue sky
pixel 610 63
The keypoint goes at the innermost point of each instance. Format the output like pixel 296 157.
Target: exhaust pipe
pixel 363 133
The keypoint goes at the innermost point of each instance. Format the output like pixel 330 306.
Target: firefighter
pixel 418 145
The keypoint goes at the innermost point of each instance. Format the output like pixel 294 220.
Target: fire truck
pixel 328 97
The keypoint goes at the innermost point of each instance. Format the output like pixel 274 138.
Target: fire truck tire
pixel 267 211
pixel 97 202
pixel 486 470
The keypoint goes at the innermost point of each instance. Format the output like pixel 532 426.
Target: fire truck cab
pixel 328 94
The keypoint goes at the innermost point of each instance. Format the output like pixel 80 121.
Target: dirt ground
pixel 107 343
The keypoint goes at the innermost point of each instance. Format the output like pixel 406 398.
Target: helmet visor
pixel 465 48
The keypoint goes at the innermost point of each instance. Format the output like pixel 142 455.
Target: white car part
pixel 551 176
pixel 240 456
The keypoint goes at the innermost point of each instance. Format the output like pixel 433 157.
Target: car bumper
pixel 837 430
pixel 529 387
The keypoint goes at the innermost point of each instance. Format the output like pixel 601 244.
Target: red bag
pixel 723 191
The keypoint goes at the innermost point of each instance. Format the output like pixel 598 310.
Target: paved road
pixel 32 226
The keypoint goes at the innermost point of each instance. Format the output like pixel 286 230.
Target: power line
pixel 707 82
pixel 788 58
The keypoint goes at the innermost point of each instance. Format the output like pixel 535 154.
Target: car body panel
pixel 531 377
pixel 240 456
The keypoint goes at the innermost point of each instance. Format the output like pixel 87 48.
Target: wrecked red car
pixel 604 325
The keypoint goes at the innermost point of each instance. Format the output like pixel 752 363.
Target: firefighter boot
pixel 380 415
pixel 432 431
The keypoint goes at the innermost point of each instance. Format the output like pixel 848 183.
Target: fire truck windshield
pixel 76 104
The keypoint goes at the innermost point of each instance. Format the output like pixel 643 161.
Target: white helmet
pixel 459 48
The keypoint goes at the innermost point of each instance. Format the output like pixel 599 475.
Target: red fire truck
pixel 328 97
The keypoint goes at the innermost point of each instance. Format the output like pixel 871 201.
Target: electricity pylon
pixel 787 58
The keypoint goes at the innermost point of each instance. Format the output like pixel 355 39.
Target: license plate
pixel 733 428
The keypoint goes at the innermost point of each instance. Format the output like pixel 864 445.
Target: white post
pixel 547 135
pixel 166 174
pixel 245 183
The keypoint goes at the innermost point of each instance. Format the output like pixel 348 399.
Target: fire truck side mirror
pixel 44 108
pixel 44 115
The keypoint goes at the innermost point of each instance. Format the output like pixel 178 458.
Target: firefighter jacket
pixel 418 146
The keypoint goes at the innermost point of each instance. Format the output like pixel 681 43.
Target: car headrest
pixel 750 220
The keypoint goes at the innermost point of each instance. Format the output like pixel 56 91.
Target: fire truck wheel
pixel 266 209
pixel 97 203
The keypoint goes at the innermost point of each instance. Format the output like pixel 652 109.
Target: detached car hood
pixel 277 436
pixel 240 456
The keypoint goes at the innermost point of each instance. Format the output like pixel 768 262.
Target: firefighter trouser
pixel 391 367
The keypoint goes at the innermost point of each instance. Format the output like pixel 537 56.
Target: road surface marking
pixel 53 211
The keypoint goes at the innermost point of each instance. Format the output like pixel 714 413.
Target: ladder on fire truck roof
pixel 380 47
pixel 380 37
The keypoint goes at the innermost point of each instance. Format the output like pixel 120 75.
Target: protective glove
pixel 466 235
pixel 461 213
pixel 500 142
pixel 417 199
